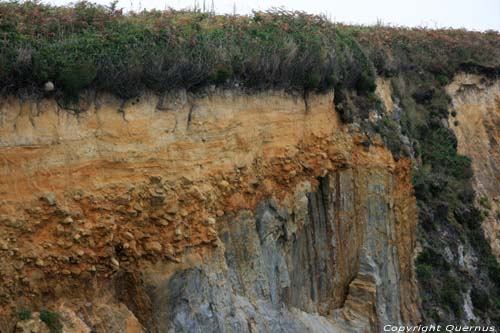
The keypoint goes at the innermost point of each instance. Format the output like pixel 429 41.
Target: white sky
pixel 469 14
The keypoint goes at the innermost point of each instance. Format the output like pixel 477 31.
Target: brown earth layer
pixel 90 201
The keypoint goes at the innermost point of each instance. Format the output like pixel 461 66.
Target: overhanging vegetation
pixel 93 46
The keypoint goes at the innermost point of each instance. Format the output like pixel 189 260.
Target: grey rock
pixel 292 270
pixel 48 86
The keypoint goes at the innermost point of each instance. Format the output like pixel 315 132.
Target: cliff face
pixel 223 212
pixel 476 101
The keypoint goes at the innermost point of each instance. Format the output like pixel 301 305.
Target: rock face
pixel 326 261
pixel 228 212
pixel 476 102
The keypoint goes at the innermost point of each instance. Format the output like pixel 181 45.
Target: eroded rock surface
pixel 331 253
pixel 476 102
pixel 228 212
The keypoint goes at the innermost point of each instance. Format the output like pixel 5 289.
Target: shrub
pixel 442 79
pixel 76 76
pixel 222 73
pixel 52 320
pixel 24 314
pixel 440 150
pixel 451 295
pixel 431 258
pixel 88 45
pixel 493 267
pixel 485 203
pixel 366 83
pixel 424 273
pixel 480 299
pixel 99 47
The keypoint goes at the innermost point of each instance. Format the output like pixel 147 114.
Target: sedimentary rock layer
pixel 476 103
pixel 223 212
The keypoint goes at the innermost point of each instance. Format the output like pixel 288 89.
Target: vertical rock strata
pixel 222 213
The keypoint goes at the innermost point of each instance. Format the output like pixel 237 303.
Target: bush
pixel 424 274
pixel 451 295
pixel 480 299
pixel 222 73
pixel 366 83
pixel 76 76
pixel 94 46
pixel 87 45
pixel 485 203
pixel 442 79
pixel 52 320
pixel 431 258
pixel 493 268
pixel 24 314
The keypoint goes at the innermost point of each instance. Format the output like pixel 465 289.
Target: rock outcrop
pixel 476 106
pixel 323 261
pixel 220 212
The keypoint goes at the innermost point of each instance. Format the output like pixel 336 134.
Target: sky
pixel 470 14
